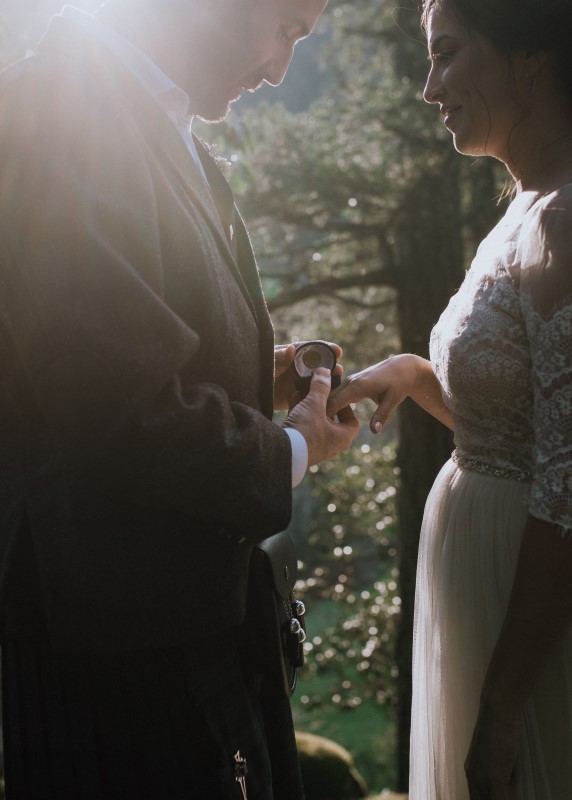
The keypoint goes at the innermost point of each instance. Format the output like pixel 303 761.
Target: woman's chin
pixel 467 148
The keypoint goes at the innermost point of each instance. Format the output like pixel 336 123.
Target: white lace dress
pixel 502 352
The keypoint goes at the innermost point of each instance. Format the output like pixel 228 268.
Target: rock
pixel 328 770
pixel 388 795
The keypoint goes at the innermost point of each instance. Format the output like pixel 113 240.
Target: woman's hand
pixel 490 763
pixel 388 384
pixel 538 617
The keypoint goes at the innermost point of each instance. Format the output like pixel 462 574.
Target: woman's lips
pixel 449 112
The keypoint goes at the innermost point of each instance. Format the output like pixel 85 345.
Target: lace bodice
pixel 502 352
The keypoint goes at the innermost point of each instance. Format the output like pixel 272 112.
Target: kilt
pixel 147 725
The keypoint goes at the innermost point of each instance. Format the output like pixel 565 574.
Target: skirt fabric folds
pixel 470 541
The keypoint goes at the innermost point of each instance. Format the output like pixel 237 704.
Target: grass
pixel 366 729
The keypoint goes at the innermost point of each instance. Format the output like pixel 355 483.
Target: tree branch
pixel 331 286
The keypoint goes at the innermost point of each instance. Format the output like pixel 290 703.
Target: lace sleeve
pixel 546 296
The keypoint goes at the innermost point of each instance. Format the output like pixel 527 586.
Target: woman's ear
pixel 531 65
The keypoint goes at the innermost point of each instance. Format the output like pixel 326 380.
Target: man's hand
pixel 284 376
pixel 324 436
pixel 285 393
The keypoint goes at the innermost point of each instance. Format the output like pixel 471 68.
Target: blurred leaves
pixel 349 559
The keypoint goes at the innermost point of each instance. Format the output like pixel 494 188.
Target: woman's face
pixel 471 80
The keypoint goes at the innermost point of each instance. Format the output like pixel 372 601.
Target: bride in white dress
pixel 492 697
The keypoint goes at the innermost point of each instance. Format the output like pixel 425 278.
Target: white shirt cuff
pixel 299 455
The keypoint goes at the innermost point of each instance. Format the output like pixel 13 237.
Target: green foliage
pixel 351 536
pixel 332 702
pixel 329 193
pixel 348 580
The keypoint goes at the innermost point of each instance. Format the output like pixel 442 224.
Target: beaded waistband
pixel 492 470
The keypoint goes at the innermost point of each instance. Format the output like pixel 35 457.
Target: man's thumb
pixel 321 382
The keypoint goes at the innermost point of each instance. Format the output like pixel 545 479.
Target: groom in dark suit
pixel 139 463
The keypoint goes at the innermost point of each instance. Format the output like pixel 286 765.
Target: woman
pixel 493 647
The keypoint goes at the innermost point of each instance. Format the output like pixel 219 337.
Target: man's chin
pixel 215 111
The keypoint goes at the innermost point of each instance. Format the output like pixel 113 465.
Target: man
pixel 139 461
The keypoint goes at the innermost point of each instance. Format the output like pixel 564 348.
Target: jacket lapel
pixel 213 200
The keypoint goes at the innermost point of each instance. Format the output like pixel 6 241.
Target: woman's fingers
pixel 387 403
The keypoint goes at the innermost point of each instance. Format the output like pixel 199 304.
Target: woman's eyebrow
pixel 438 42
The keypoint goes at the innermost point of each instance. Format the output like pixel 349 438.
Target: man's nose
pixel 276 67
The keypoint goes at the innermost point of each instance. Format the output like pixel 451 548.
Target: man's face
pixel 247 42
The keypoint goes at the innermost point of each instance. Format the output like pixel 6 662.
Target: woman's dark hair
pixel 531 25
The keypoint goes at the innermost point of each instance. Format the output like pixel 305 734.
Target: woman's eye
pixel 441 57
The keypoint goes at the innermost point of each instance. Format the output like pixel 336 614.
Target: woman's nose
pixel 432 86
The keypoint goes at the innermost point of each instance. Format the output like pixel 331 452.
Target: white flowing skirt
pixel 470 540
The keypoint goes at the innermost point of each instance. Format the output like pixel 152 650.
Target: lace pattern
pixel 502 351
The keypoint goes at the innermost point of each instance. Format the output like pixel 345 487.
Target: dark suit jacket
pixel 136 361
